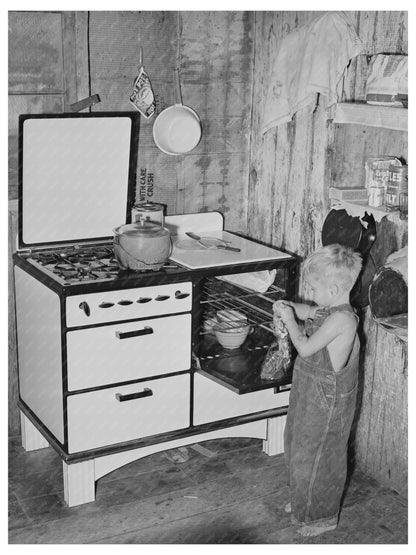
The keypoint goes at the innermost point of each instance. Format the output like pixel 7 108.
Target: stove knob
pixel 144 300
pixel 161 297
pixel 84 306
pixel 105 305
pixel 180 295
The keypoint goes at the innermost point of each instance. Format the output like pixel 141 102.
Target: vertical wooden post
pixel 81 62
pixel 32 439
pixel 79 482
pixel 274 443
pixel 69 59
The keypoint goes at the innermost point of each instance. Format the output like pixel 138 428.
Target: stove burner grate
pixel 84 266
pixel 76 264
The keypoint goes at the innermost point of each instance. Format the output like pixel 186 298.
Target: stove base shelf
pixel 80 477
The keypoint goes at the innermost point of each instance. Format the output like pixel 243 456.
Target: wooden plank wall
pixel 63 57
pixel 213 51
pixel 291 169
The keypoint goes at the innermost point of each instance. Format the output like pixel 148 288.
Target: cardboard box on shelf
pixel 336 193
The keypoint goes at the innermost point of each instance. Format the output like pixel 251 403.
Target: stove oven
pixel 114 364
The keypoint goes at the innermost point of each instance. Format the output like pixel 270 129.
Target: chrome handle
pixel 126 334
pixel 228 248
pixel 139 395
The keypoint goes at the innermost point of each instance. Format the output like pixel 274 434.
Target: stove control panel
pixel 128 304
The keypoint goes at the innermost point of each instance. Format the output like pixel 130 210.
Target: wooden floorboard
pixel 220 492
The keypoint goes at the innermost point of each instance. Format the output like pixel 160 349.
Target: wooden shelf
pixel 358 208
pixel 387 117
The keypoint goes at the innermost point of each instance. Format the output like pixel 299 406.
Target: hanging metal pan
pixel 177 129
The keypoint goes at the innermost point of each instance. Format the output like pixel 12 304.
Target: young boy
pixel 324 385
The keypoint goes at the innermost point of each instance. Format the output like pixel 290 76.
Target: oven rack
pixel 256 307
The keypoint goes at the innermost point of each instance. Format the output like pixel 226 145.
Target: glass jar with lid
pixel 141 245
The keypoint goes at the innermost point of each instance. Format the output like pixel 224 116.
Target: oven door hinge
pixel 25 252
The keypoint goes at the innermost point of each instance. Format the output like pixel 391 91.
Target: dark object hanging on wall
pixel 349 231
pixel 388 294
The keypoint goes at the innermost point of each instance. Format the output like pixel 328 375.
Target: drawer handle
pixel 126 334
pixel 129 396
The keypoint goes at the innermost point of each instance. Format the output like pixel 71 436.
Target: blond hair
pixel 334 264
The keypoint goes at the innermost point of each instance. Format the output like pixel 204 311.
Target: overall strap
pixel 323 313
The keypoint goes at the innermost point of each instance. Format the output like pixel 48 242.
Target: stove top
pixel 90 267
pixel 84 264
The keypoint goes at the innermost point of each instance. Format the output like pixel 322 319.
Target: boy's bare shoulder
pixel 343 320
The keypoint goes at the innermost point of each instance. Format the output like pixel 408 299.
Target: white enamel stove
pixel 105 356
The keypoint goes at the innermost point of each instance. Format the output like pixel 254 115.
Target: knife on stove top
pixel 220 246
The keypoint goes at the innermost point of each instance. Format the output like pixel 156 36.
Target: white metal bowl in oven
pixel 231 338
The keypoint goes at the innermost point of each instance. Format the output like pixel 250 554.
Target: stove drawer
pixel 117 414
pixel 129 351
pixel 128 304
pixel 215 402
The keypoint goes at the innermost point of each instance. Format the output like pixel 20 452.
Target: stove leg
pixel 274 444
pixel 79 482
pixel 32 439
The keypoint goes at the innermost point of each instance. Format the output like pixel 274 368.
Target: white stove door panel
pixel 38 317
pixel 129 351
pixel 215 402
pixel 108 416
pixel 128 304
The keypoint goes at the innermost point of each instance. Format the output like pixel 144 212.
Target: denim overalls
pixel 321 410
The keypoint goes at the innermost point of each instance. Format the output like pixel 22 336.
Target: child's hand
pixel 284 310
pixel 280 306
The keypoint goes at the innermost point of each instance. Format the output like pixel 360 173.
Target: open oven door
pixel 219 286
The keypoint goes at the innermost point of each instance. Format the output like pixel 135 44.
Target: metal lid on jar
pixel 148 206
pixel 141 228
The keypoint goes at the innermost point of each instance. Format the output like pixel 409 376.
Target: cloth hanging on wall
pixel 310 60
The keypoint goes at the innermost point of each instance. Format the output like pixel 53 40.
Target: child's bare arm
pixel 334 327
pixel 302 311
